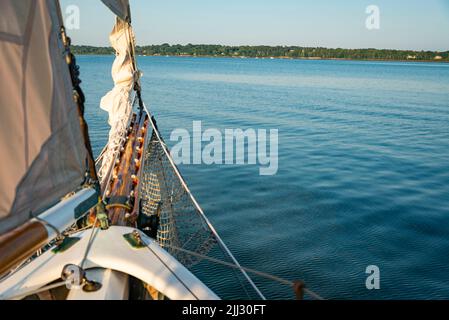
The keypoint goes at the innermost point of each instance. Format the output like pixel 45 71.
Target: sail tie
pixel 49 225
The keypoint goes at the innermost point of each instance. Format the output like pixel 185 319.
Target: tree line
pixel 272 52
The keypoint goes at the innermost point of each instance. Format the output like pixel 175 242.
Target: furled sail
pixel 117 102
pixel 43 151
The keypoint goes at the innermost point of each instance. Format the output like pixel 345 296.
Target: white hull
pixel 110 251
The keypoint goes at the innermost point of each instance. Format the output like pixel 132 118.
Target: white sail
pixel 43 151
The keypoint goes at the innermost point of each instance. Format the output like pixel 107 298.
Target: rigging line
pixel 89 243
pixel 100 157
pixel 77 230
pixel 174 274
pixel 31 292
pixel 17 268
pixel 197 206
pixel 130 37
pixel 259 273
pixel 238 276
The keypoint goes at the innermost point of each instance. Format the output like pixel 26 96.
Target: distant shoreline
pixel 278 52
pixel 288 58
pixel 275 58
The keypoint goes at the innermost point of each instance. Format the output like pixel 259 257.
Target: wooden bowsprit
pixel 122 190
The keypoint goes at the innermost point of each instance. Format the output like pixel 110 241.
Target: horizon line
pixel 265 45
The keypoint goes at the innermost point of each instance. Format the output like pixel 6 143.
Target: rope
pixel 256 272
pixel 69 233
pixel 89 243
pixel 118 205
pixel 100 157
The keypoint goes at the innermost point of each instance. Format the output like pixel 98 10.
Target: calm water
pixel 363 166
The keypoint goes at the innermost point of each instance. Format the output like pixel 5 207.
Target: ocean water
pixel 363 173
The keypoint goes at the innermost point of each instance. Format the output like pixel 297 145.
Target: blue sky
pixel 404 24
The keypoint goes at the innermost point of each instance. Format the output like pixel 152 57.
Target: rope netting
pixel 162 194
pixel 182 223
